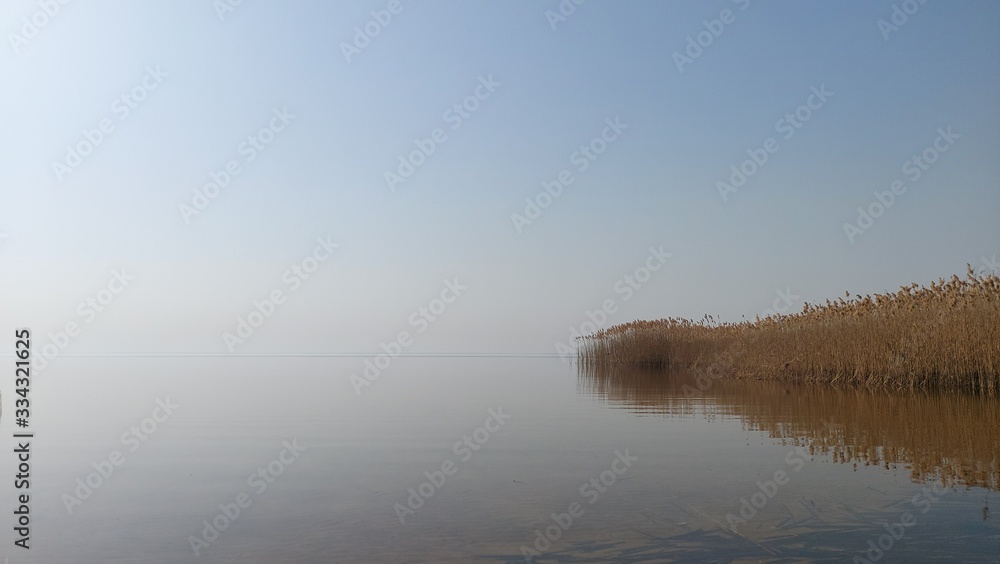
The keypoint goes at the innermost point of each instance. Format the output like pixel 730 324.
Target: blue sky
pixel 221 79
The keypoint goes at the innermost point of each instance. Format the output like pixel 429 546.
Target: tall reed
pixel 945 336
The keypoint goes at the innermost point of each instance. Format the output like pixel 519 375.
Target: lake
pixel 488 459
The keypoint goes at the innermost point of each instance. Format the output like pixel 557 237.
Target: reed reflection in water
pixel 953 439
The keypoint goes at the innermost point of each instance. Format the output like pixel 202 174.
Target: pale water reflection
pixel 951 438
pixel 595 467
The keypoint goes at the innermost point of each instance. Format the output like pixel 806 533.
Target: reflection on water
pixel 697 457
pixel 954 439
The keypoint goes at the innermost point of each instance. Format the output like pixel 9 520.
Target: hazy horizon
pixel 542 87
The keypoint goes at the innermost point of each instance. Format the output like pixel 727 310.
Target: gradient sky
pixel 323 175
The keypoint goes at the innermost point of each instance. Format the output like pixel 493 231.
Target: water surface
pixel 737 471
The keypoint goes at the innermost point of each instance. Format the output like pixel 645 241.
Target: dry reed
pixel 944 336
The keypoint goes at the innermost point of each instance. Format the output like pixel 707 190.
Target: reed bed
pixel 944 336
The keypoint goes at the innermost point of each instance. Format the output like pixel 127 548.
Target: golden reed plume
pixel 944 336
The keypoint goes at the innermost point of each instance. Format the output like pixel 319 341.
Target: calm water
pixel 635 466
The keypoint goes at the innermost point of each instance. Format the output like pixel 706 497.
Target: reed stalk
pixel 945 335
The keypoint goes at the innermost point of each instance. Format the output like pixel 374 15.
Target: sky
pixel 331 176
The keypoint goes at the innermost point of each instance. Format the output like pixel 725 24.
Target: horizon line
pixel 307 354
